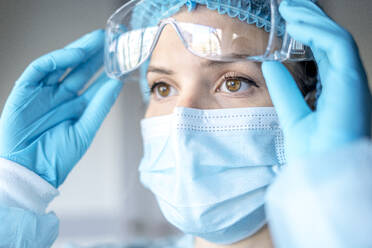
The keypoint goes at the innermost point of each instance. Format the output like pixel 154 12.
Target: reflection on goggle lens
pixel 126 49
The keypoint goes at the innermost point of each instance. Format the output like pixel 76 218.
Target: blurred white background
pixel 102 199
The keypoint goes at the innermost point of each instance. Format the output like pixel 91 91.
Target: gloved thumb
pixel 287 98
pixel 100 100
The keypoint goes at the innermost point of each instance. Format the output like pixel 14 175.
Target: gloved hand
pixel 343 111
pixel 46 125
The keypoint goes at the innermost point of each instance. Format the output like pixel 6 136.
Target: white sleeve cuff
pixel 22 188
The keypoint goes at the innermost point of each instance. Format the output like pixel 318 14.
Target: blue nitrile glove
pixel 343 111
pixel 46 125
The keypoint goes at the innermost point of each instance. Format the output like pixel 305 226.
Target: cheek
pixel 259 97
pixel 265 99
pixel 159 108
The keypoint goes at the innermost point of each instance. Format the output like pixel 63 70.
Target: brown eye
pixel 236 85
pixel 233 85
pixel 163 89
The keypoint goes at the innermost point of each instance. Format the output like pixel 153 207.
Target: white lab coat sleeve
pixel 324 201
pixel 24 197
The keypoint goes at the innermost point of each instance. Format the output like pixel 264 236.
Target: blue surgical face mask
pixel 209 169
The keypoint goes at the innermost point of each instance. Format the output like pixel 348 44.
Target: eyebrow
pixel 159 70
pixel 207 63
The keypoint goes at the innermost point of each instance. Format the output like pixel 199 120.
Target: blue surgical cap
pixel 251 11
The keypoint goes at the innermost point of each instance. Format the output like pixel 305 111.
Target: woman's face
pixel 177 78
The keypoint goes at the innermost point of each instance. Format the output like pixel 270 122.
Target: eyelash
pixel 153 86
pixel 151 89
pixel 225 78
pixel 244 79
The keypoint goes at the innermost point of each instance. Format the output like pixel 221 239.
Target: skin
pixel 193 82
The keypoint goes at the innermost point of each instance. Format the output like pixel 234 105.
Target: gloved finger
pixel 64 94
pixel 98 107
pixel 54 77
pixel 89 93
pixel 345 78
pixel 89 41
pixel 77 79
pixel 304 5
pixel 321 34
pixel 62 59
pixel 285 94
pixel 301 13
pixel 57 60
pixel 345 102
pixel 340 49
pixel 69 111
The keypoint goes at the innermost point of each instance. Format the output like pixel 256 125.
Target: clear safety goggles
pixel 127 48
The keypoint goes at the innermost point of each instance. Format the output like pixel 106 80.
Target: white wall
pixel 102 200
